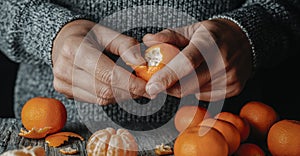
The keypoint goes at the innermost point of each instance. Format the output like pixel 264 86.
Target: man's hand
pixel 215 61
pixel 83 72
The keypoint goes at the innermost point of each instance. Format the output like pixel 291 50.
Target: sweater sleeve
pixel 272 27
pixel 28 28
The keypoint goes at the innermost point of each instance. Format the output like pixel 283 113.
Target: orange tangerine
pixel 43 116
pixel 228 130
pixel 188 116
pixel 240 123
pixel 157 56
pixel 200 140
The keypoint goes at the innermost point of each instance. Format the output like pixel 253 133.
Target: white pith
pixel 153 57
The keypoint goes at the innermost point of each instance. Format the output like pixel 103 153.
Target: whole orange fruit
pixel 284 138
pixel 260 117
pixel 111 142
pixel 41 112
pixel 249 149
pixel 188 116
pixel 200 140
pixel 228 130
pixel 240 123
pixel 157 56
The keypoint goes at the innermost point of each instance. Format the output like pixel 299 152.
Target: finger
pixel 230 78
pixel 84 96
pixel 62 69
pixel 166 36
pixel 219 94
pixel 214 95
pixel 69 74
pixel 179 37
pixel 80 78
pixel 79 94
pixel 192 83
pixel 106 71
pixel 126 81
pixel 181 65
pixel 229 90
pixel 200 47
pixel 126 47
pixel 87 82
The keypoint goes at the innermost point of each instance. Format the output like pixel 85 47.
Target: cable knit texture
pixel 28 28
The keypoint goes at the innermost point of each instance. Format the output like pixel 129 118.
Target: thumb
pixel 173 37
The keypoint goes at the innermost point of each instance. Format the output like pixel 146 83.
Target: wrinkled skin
pixel 199 61
pixel 81 70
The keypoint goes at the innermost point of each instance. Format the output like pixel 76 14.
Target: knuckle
pixel 166 76
pixel 69 48
pixel 104 75
pixel 168 31
pixel 177 95
pixel 61 88
pixel 103 102
pixel 204 96
pixel 67 51
pixel 175 92
pixel 68 96
pixel 237 89
pixel 134 96
pixel 105 92
pixel 192 59
pixel 57 85
pixel 129 43
pixel 198 96
pixel 165 34
pixel 100 102
pixel 134 88
pixel 115 43
pixel 58 71
pixel 231 78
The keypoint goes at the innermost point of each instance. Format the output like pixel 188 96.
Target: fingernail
pixel 154 88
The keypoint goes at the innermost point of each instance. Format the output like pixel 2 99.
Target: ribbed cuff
pixel 254 21
pixel 40 23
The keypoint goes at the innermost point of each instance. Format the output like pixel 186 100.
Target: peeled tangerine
pixel 157 57
pixel 26 151
pixel 111 142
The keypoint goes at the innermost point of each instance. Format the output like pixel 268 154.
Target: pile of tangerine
pixel 257 125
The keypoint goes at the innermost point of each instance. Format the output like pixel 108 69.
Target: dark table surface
pixel 9 138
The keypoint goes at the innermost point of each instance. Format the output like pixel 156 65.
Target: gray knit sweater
pixel 28 28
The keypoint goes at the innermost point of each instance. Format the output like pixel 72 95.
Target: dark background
pixel 278 87
pixel 7 81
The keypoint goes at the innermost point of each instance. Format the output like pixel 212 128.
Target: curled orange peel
pixel 156 56
pixel 58 139
pixel 35 133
